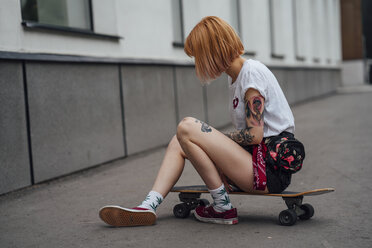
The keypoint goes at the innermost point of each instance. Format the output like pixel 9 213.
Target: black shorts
pixel 277 180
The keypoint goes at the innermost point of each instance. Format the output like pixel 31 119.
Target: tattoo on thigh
pixel 204 126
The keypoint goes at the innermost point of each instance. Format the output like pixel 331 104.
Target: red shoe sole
pixel 117 216
pixel 231 221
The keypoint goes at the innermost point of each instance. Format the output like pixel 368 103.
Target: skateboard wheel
pixel 309 211
pixel 181 211
pixel 287 217
pixel 203 202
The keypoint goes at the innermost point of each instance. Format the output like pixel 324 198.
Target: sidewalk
pixel 337 133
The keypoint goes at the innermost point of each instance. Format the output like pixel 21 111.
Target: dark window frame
pixel 33 25
pixel 295 28
pixel 181 43
pixel 239 27
pixel 274 55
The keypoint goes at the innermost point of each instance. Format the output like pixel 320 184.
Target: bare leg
pixel 171 168
pixel 207 148
pixel 169 173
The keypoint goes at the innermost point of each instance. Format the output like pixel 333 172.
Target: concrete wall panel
pixel 336 78
pixel 315 82
pixel 281 76
pixel 14 157
pixel 292 84
pixel 303 84
pixel 218 102
pixel 75 117
pixel 296 81
pixel 300 83
pixel 149 103
pixel 189 94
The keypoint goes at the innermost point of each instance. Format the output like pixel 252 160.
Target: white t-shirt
pixel 277 114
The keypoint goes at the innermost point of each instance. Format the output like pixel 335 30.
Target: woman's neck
pixel 235 67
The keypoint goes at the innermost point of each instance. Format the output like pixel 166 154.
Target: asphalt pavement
pixel 337 133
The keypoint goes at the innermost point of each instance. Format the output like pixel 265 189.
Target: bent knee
pixel 184 128
pixel 186 120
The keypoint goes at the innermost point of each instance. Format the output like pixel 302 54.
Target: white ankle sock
pixel 152 201
pixel 221 199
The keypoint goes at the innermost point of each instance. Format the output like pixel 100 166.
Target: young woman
pixel 258 110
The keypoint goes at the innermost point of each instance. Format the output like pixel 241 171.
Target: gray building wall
pixel 75 116
pixel 149 106
pixel 82 114
pixel 14 156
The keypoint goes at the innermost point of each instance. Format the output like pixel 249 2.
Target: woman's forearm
pixel 244 137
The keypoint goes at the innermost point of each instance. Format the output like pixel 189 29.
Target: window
pixel 186 14
pixel 178 30
pixel 279 35
pixel 300 32
pixel 249 14
pixel 73 14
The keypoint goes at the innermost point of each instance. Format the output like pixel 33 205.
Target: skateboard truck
pixel 295 209
pixel 190 202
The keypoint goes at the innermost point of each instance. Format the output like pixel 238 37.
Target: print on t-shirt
pixel 235 102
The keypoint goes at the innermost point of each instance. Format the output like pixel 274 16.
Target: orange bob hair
pixel 214 44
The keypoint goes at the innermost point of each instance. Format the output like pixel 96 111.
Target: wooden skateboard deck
pixel 190 196
pixel 204 189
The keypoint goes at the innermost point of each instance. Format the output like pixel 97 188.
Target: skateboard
pixel 190 198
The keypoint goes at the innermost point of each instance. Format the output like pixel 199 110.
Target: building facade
pixel 356 30
pixel 84 82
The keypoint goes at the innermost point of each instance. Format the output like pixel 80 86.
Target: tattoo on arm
pixel 253 111
pixel 242 137
pixel 205 128
pixel 254 117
